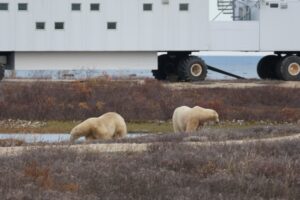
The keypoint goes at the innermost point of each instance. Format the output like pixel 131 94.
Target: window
pixel 3 6
pixel 166 2
pixel 59 25
pixel 76 6
pixel 95 6
pixel 147 6
pixel 22 6
pixel 40 25
pixel 111 25
pixel 184 7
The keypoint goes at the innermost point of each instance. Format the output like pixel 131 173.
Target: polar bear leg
pixel 90 137
pixel 120 134
pixel 192 125
pixel 200 126
pixel 176 129
pixel 175 122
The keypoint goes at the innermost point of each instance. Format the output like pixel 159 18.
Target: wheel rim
pixel 294 69
pixel 196 69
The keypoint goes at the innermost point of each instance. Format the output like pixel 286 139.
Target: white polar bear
pixel 186 119
pixel 107 126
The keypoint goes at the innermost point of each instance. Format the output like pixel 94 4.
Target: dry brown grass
pixel 143 102
pixel 170 169
pixel 11 142
pixel 166 171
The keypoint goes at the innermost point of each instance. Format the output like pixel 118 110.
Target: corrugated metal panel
pixel 163 28
pixel 85 60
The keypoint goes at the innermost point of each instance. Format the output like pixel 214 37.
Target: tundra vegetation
pixel 166 171
pixel 170 169
pixel 146 101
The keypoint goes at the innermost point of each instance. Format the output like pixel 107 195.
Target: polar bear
pixel 186 119
pixel 107 126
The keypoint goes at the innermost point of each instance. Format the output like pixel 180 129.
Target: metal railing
pixel 225 7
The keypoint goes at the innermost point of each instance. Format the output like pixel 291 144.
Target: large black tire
pixel 192 68
pixel 266 67
pixel 288 68
pixel 166 67
pixel 159 75
pixel 166 64
pixel 2 71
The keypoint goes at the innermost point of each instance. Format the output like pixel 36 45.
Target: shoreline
pixel 138 147
pixel 49 127
pixel 154 127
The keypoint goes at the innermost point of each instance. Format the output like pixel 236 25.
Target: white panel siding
pixel 85 60
pixel 280 27
pixel 7 28
pixel 234 36
pixel 164 28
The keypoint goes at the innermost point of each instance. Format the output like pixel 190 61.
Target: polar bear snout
pixel 217 120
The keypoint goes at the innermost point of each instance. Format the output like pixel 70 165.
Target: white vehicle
pixel 128 34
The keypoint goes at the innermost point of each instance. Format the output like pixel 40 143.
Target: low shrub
pixel 166 171
pixel 149 100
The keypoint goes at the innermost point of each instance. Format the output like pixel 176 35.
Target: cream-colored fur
pixel 107 126
pixel 186 119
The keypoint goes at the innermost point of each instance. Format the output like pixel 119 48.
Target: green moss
pixel 66 126
pixel 133 127
pixel 150 127
pixel 59 126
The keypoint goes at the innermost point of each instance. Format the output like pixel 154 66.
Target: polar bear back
pixel 114 124
pixel 203 114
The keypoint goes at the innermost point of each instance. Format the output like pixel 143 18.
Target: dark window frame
pixel 5 8
pixel 111 25
pixel 76 6
pixel 184 7
pixel 147 7
pixel 20 8
pixel 59 25
pixel 92 8
pixel 40 25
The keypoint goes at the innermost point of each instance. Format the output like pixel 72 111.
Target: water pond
pixel 51 137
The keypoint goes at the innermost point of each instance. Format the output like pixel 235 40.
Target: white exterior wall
pixel 85 41
pixel 234 36
pixel 274 28
pixel 162 29
pixel 165 28
pixel 279 29
pixel 85 60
